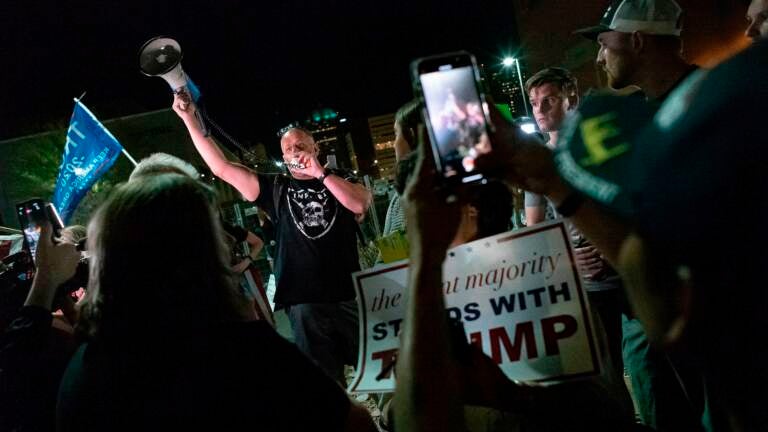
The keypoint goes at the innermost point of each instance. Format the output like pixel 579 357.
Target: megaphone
pixel 161 57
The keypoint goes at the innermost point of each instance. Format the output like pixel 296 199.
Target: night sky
pixel 259 65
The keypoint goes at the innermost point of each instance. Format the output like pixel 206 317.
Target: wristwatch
pixel 323 176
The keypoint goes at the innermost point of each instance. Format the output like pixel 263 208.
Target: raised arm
pixel 56 263
pixel 353 196
pixel 239 176
pixel 427 396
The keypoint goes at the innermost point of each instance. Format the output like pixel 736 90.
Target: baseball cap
pixel 657 17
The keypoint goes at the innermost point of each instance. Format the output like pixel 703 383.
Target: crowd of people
pixel 165 334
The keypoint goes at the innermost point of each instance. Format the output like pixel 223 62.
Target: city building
pixel 382 129
pixel 333 137
pixel 502 82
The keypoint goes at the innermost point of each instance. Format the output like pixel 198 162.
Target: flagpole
pixel 130 158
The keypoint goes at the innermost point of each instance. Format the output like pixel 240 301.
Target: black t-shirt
pixel 240 376
pixel 316 241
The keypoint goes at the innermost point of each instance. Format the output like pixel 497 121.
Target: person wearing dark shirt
pixel 314 215
pixel 639 45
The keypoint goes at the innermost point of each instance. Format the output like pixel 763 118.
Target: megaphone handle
pixel 198 112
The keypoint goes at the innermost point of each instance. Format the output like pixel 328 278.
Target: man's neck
pixel 662 75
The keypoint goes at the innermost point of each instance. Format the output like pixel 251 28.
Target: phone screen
pixel 31 217
pixel 457 117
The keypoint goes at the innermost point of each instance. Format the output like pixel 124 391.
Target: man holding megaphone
pixel 314 213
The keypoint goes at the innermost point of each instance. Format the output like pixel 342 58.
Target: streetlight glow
pixel 509 61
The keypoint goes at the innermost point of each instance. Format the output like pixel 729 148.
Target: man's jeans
pixel 327 333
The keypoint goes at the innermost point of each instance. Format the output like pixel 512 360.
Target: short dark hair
pixel 561 77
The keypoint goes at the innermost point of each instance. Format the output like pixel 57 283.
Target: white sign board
pixel 518 295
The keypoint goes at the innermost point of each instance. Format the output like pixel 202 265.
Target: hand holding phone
pixel 56 263
pixel 456 114
pixel 33 214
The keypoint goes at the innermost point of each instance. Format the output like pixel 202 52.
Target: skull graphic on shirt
pixel 313 210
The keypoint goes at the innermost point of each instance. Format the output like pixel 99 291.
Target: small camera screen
pixel 456 117
pixel 30 217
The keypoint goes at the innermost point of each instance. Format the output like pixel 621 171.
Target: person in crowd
pixel 698 112
pixel 314 214
pixel 406 120
pixel 252 282
pixel 159 163
pixel 554 94
pixel 189 359
pixel 433 380
pixel 757 19
pixel 33 352
pixel 487 212
pixel 691 295
pixel 639 45
pixel 66 317
pixel 255 245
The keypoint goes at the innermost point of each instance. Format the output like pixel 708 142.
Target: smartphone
pixel 32 215
pixel 456 113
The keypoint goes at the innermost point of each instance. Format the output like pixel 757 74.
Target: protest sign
pixel 518 295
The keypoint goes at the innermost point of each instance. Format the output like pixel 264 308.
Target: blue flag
pixel 89 152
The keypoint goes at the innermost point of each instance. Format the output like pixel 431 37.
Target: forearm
pixel 534 215
pixel 206 147
pixel 356 198
pixel 427 385
pixel 239 176
pixel 255 244
pixel 43 290
pixel 603 229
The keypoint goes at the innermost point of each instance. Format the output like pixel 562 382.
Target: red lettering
pixel 388 359
pixel 523 334
pixel 551 335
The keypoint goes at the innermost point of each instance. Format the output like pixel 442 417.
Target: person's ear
pixel 573 100
pixel 409 135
